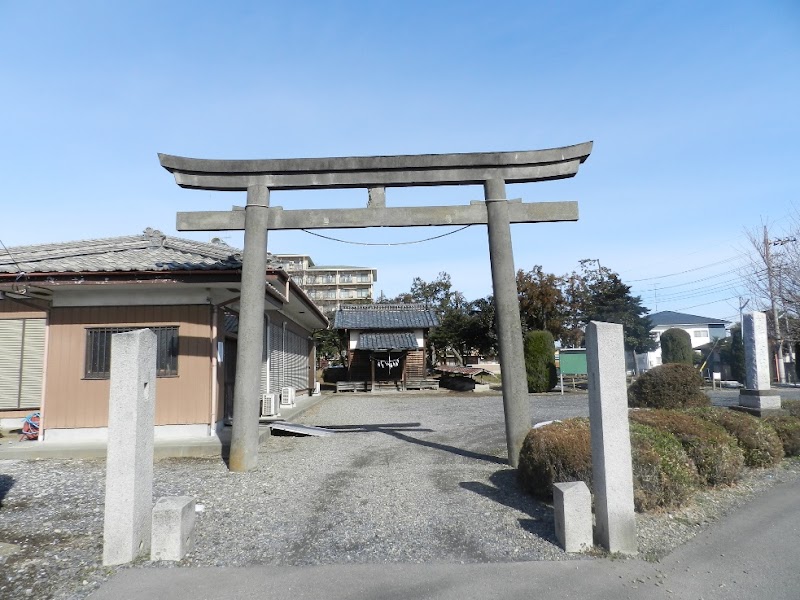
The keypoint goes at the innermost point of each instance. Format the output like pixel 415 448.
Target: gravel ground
pixel 408 478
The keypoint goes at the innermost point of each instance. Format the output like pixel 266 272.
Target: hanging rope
pixel 436 237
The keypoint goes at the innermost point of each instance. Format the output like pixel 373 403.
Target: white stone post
pixel 757 394
pixel 612 469
pixel 572 508
pixel 129 463
pixel 173 528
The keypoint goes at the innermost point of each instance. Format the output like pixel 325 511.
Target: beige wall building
pixel 329 286
pixel 61 303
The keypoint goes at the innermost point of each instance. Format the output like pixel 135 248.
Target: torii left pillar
pixel 246 402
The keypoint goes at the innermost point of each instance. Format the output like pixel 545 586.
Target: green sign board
pixel 572 361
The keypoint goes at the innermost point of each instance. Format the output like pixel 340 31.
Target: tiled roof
pixel 387 341
pixel 668 317
pixel 151 251
pixel 385 316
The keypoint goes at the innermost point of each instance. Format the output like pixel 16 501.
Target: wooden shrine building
pixel 385 346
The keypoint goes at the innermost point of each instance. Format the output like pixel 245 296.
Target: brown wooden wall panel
pixel 18 413
pixel 73 401
pixel 415 364
pixel 9 309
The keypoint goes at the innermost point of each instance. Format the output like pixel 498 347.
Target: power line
pixel 714 264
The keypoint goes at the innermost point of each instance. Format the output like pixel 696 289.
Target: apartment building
pixel 329 286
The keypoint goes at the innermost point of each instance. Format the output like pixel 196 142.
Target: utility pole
pixel 779 366
pixel 742 305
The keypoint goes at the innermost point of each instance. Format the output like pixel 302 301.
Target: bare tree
pixel 773 278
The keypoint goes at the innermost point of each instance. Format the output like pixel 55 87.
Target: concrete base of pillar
pixel 759 401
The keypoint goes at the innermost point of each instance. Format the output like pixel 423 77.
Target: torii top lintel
pixel 377 171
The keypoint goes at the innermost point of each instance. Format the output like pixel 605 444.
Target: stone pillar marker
pixel 611 444
pixel 129 463
pixel 757 395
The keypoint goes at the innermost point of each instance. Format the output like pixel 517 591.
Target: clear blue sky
pixel 692 106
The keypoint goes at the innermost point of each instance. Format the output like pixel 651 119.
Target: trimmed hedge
pixel 663 474
pixel 760 443
pixel 556 453
pixel 788 430
pixel 676 347
pixel 793 406
pixel 715 452
pixel 668 386
pixel 540 361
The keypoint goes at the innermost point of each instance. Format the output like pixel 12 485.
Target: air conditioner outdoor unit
pixel 287 396
pixel 269 405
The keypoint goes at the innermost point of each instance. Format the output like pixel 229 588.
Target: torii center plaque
pixel 375 173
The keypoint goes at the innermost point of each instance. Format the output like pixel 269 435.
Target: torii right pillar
pixel 509 327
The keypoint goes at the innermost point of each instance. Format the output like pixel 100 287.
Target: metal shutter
pixel 21 362
pixel 32 364
pixel 264 385
pixel 275 358
pixel 10 361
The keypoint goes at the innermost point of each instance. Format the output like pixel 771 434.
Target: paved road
pixel 750 554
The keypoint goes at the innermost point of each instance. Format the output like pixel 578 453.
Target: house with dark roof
pixel 702 330
pixel 61 303
pixel 385 345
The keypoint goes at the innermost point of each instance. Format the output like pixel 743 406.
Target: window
pixel 701 333
pixel 98 351
pixel 363 279
pixel 363 293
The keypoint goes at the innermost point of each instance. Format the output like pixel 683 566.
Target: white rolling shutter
pixel 10 361
pixel 21 362
pixel 32 364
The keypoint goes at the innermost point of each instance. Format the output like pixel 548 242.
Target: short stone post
pixel 173 528
pixel 612 469
pixel 757 395
pixel 572 507
pixel 129 463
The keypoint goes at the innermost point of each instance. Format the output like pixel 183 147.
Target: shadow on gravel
pixel 6 483
pixel 399 430
pixel 505 490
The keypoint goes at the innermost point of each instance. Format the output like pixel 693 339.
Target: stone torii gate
pixel 375 173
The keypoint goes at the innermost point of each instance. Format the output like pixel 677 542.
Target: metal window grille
pixel 98 351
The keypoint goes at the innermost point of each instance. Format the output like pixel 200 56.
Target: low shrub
pixel 663 474
pixel 713 450
pixel 668 386
pixel 556 453
pixel 788 430
pixel 793 406
pixel 760 443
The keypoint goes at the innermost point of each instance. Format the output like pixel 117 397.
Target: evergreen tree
pixel 540 361
pixel 737 355
pixel 676 347
pixel 601 296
